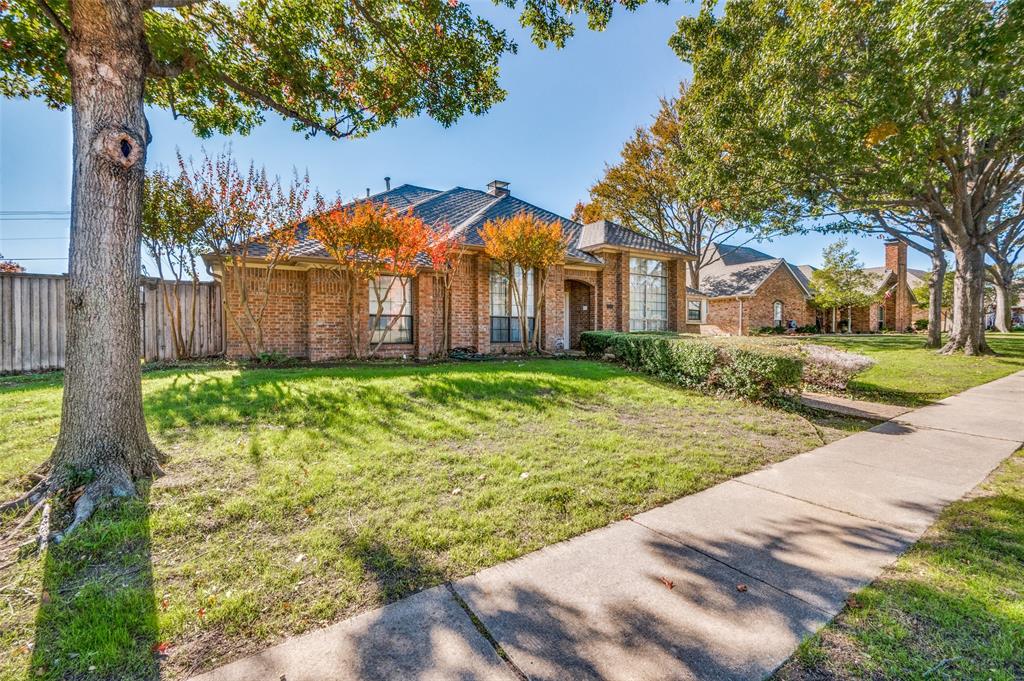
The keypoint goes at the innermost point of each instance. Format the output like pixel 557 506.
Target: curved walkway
pixel 723 584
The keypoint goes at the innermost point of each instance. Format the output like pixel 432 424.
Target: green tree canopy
pixel 672 183
pixel 841 281
pixel 890 105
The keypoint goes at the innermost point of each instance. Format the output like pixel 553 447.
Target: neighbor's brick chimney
pixel 896 260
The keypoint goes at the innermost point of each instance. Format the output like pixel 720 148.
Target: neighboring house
pixel 747 290
pixel 612 279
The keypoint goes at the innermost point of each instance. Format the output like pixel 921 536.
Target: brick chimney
pixel 896 260
pixel 498 188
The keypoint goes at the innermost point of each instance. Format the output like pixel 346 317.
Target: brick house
pixel 747 290
pixel 612 279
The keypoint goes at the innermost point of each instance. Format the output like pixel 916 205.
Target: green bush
pixel 921 324
pixel 755 372
pixel 768 331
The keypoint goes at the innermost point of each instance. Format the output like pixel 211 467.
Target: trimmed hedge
pixel 749 371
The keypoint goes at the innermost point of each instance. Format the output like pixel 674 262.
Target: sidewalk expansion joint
pixel 482 630
pixel 897 421
pixel 755 578
pixel 829 508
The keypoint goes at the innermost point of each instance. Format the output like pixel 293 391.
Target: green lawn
pixel 909 374
pixel 295 498
pixel 950 608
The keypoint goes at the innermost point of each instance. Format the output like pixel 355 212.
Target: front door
pixel 565 322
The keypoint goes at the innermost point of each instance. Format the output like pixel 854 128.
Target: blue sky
pixel 566 115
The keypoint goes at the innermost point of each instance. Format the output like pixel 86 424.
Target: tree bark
pixel 968 332
pixel 935 299
pixel 103 436
pixel 1003 321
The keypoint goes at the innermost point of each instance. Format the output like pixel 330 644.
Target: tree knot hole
pixel 120 146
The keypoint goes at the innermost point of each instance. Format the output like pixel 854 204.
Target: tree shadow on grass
pixel 350 403
pixel 97 616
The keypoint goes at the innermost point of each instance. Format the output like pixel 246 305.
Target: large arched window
pixel 777 313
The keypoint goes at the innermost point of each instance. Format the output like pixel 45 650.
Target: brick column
pixel 676 293
pixel 554 308
pixel 426 309
pixel 622 292
pixel 483 303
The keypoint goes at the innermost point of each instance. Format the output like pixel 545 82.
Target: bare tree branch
pixel 54 19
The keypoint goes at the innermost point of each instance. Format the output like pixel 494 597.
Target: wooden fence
pixel 32 324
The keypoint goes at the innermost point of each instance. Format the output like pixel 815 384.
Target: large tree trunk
pixel 935 299
pixel 968 332
pixel 1003 320
pixel 102 432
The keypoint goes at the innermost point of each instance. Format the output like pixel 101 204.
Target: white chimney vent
pixel 498 188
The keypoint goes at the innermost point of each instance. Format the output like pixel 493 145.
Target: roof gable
pixel 607 233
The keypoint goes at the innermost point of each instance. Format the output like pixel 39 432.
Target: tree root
pixel 24 521
pixel 84 508
pixel 29 498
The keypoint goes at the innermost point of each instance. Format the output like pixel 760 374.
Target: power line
pixel 35 212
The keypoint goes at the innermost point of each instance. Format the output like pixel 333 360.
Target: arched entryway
pixel 579 312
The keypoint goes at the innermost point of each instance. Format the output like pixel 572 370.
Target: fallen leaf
pixel 160 647
pixel 456 491
pixel 44 597
pixel 742 588
pixel 667 582
pixel 627 517
pixel 164 603
pixel 202 612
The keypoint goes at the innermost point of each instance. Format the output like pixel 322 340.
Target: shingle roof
pixel 467 210
pixel 736 280
pixel 728 254
pixel 607 233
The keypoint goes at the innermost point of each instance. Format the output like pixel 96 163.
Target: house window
pixel 394 294
pixel 881 317
pixel 777 313
pixel 648 307
pixel 694 311
pixel 505 304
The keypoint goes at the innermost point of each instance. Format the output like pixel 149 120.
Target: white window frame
pixel 701 307
pixel 645 275
pixel 402 332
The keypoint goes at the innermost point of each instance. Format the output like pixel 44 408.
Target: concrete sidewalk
pixel 722 584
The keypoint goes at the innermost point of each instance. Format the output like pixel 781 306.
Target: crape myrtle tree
pixel 371 242
pixel 900 105
pixel 525 245
pixel 171 222
pixel 445 252
pixel 248 221
pixel 841 282
pixel 673 183
pixel 9 266
pixel 335 69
